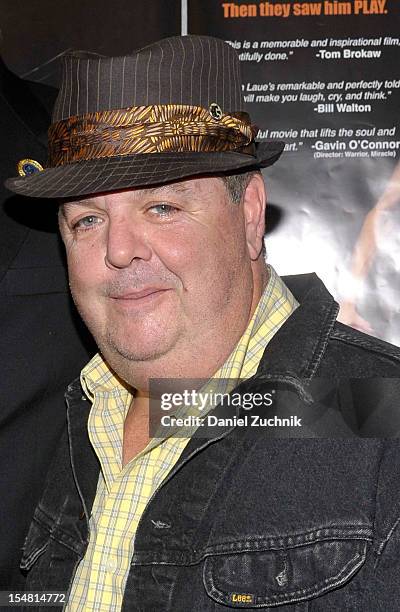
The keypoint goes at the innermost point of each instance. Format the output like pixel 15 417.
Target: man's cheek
pixel 180 255
pixel 84 291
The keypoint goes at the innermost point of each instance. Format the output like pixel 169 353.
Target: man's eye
pixel 163 210
pixel 87 223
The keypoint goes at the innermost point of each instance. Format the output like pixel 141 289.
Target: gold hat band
pixel 149 129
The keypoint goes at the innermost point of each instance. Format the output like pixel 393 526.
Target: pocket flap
pixel 35 544
pixel 273 577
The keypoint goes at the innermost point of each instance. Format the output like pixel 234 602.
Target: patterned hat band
pixel 149 129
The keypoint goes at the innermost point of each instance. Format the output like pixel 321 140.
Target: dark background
pixel 36 33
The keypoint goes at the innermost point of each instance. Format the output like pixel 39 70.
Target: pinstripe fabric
pixel 96 84
pixel 192 71
pixel 122 495
pixel 129 171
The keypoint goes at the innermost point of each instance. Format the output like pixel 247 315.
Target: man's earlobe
pixel 254 202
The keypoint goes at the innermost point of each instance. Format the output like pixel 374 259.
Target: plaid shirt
pixel 123 493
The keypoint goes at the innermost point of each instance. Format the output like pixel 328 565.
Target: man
pixel 41 339
pixel 162 216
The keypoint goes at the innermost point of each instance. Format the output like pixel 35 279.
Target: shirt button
pixel 111 564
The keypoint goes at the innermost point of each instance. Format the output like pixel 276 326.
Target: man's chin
pixel 137 355
pixel 118 350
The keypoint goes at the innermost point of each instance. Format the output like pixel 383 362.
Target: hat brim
pixel 122 172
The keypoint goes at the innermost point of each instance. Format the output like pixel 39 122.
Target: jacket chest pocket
pixel 258 578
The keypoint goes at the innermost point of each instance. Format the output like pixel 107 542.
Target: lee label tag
pixel 242 598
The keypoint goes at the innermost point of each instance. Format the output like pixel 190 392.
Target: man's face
pixel 158 272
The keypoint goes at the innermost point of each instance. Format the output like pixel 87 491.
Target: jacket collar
pixel 85 464
pixel 297 348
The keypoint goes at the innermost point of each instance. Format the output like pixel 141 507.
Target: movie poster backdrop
pixel 324 77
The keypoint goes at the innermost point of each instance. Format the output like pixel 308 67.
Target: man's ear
pixel 254 202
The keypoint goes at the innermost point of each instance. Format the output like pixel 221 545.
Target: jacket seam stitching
pixel 322 342
pixel 366 344
pixel 52 536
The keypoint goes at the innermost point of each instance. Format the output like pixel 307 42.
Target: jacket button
pixel 82 515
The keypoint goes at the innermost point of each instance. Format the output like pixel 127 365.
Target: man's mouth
pixel 141 295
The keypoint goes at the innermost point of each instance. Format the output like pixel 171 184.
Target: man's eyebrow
pixel 180 187
pixel 64 206
pixel 175 187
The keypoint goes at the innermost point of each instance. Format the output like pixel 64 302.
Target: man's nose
pixel 125 242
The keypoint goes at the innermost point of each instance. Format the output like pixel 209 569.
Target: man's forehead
pixel 188 186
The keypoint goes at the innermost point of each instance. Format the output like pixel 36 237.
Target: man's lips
pixel 139 295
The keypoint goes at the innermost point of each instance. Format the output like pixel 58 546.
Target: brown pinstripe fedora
pixel 168 111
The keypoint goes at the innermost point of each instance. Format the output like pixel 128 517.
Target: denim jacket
pixel 301 520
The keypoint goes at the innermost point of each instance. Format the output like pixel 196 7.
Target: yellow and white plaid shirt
pixel 123 493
